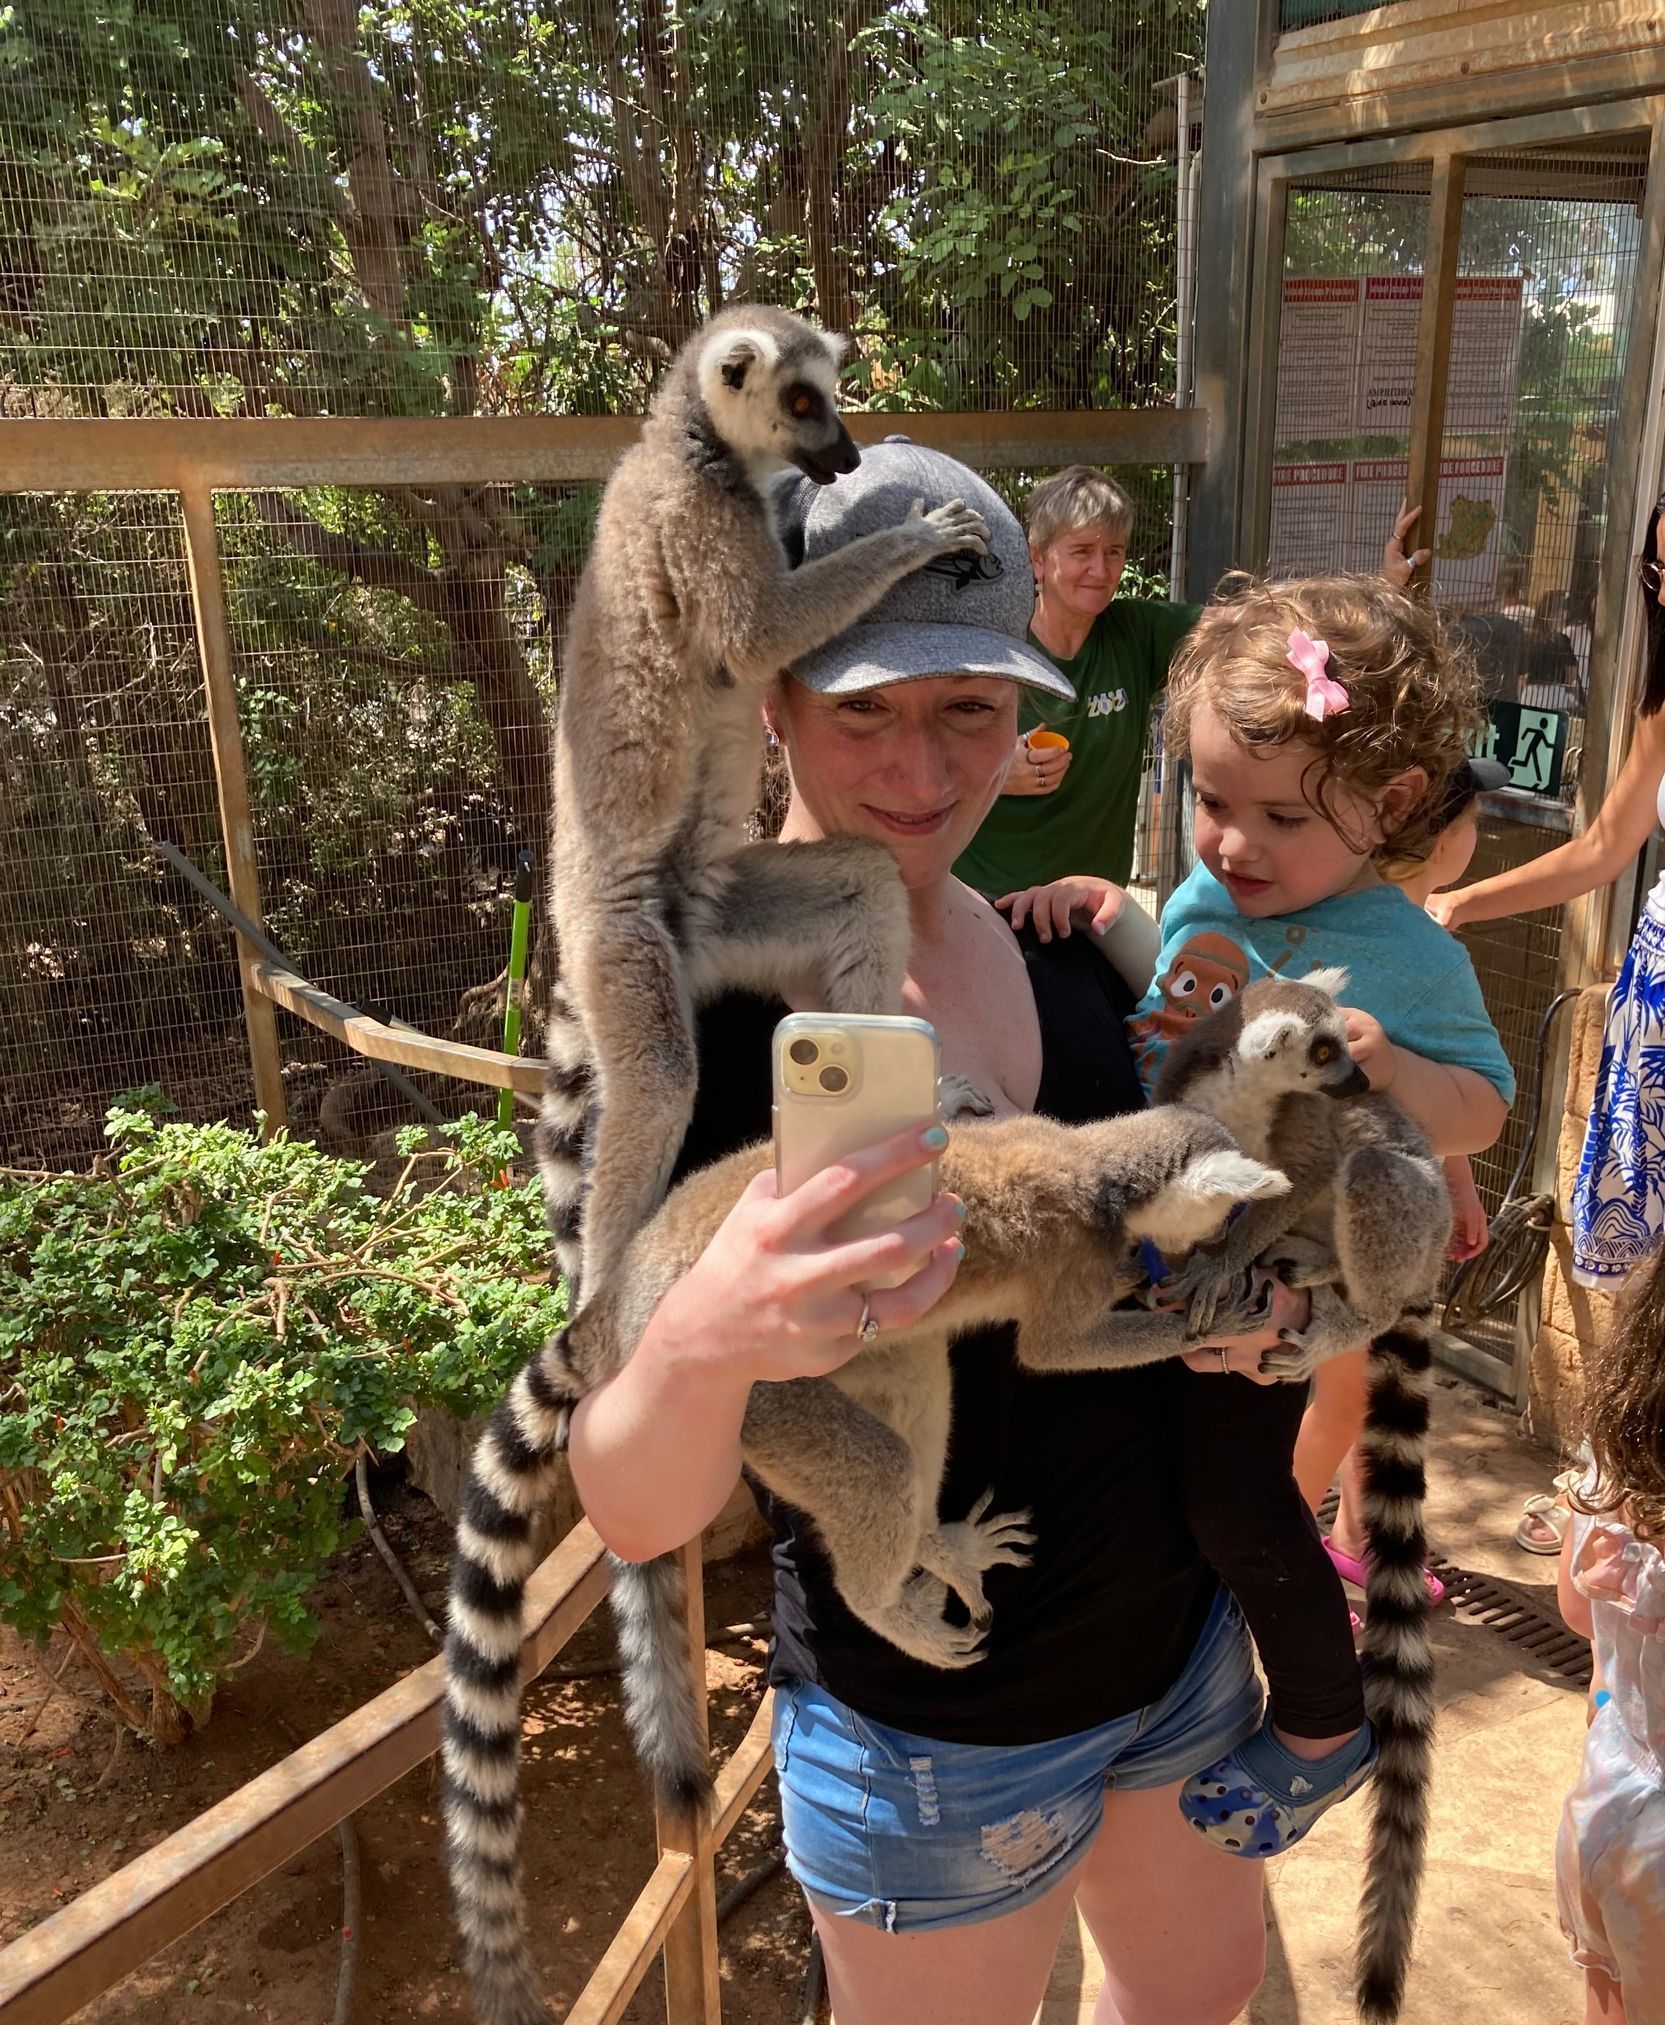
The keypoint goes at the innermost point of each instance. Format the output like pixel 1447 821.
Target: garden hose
pixel 1519 1236
pixel 519 930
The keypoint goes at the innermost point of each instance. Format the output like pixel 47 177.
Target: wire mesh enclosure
pixel 311 209
pixel 305 206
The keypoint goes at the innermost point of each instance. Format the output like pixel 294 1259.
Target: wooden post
pixel 692 1991
pixel 202 557
pixel 1433 352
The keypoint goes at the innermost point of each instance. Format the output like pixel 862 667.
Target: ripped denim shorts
pixel 910 1834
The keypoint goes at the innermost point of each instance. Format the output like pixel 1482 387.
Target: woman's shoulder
pixel 1082 1002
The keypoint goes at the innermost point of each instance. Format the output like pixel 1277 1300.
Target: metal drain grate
pixel 1476 1599
pixel 1497 1606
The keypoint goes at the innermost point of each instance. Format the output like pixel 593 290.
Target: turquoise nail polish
pixel 959 1211
pixel 934 1139
pixel 959 1251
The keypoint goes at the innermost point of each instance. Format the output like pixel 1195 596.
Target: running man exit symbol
pixel 1532 744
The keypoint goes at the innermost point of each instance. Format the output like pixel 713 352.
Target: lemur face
pixel 779 410
pixel 1295 1036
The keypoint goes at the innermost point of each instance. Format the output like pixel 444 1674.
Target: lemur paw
pixel 1244 1307
pixel 1297 1357
pixel 1203 1285
pixel 950 1646
pixel 960 1099
pixel 955 525
pixel 1302 1262
pixel 982 1543
pixel 960 1550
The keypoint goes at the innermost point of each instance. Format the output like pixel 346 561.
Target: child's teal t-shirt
pixel 1402 968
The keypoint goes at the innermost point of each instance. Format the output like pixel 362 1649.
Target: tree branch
pixel 383 569
pixel 824 170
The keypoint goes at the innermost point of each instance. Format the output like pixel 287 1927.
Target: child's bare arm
pixel 1458 1109
pixel 1122 932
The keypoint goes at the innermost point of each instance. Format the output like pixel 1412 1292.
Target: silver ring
pixel 1225 1360
pixel 867 1328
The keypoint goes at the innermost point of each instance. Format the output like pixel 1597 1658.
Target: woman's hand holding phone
pixel 774 1295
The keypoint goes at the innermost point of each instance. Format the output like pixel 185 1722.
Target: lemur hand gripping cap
pixel 962 614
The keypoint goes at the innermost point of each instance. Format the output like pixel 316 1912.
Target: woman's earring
pixel 771 737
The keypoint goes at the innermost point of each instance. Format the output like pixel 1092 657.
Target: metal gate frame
pixel 1245 210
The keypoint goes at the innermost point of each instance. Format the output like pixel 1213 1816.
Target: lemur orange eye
pixel 803 406
pixel 1322 1052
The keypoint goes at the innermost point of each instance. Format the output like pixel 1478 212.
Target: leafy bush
pixel 196 1339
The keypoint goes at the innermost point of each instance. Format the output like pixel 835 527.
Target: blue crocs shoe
pixel 1260 1799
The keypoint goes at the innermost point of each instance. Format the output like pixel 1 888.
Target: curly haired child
pixel 1610 1855
pixel 1324 721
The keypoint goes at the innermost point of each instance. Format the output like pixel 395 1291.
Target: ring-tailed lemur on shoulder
pixel 1055 1216
pixel 686 612
pixel 1365 1225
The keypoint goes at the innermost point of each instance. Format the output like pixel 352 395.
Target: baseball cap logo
pixel 965 567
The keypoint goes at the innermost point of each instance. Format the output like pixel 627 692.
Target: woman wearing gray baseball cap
pixel 942 1824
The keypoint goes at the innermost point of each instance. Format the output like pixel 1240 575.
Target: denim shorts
pixel 911 1834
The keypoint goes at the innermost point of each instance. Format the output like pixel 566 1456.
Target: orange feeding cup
pixel 1047 741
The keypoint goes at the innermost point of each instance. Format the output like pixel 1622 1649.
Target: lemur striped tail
pixel 1398 1667
pixel 562 1127
pixel 511 1480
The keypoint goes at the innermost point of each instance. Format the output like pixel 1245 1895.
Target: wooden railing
pixel 120 1923
pixel 194 458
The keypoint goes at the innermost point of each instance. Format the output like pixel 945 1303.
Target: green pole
pixel 518 934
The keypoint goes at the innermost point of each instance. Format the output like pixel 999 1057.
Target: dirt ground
pixel 79 1797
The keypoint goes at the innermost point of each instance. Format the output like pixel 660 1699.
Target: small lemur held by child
pixel 1364 1225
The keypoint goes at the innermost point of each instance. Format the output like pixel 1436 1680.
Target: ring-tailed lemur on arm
pixel 1055 1216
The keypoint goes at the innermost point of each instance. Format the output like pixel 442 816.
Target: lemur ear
pixel 737 360
pixel 1231 1177
pixel 1332 981
pixel 836 344
pixel 1261 1039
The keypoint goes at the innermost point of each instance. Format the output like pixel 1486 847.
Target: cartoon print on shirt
pixel 1206 973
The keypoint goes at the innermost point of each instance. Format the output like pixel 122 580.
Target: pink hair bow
pixel 1325 696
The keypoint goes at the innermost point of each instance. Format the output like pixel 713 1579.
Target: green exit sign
pixel 1532 744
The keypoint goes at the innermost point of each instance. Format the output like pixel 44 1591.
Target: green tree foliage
pixel 456 207
pixel 415 207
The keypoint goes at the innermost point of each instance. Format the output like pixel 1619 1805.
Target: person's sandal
pixel 1358 1572
pixel 1260 1799
pixel 1543 1519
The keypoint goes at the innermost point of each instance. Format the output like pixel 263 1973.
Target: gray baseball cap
pixel 962 614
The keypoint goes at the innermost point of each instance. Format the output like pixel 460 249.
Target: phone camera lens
pixel 803 1053
pixel 834 1080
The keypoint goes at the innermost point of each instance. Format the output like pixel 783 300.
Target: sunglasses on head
pixel 1649 574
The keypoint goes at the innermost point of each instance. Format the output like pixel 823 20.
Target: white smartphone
pixel 844 1081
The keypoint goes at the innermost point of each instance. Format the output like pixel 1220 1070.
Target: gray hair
pixel 1077 496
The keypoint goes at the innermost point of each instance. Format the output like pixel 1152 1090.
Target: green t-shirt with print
pixel 1087 823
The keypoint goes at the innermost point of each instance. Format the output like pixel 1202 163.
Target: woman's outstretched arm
pixel 1622 826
